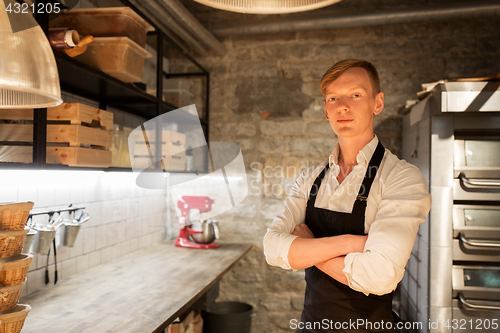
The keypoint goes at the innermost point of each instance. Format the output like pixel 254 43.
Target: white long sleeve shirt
pixel 397 203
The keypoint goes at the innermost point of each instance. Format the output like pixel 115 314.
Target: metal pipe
pixel 167 24
pixel 192 25
pixel 368 19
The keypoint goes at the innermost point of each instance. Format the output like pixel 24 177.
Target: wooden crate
pixel 173 150
pixel 74 113
pixel 19 114
pixel 167 137
pixel 78 114
pixel 78 156
pixel 167 149
pixel 170 164
pixel 18 154
pixel 74 135
pixel 72 156
pixel 77 135
pixel 119 150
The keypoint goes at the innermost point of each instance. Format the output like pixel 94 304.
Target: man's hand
pixel 302 230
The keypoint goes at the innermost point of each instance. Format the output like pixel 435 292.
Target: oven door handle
pixel 486 182
pixel 489 244
pixel 477 306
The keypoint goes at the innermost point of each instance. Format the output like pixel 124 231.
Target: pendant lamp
pixel 267 6
pixel 28 70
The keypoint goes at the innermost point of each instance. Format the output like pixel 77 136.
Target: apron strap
pixel 360 203
pixel 315 187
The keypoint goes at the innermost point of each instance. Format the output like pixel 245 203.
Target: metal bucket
pixel 30 236
pixel 70 233
pixel 44 240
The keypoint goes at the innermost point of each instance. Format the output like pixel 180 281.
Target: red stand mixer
pixel 185 204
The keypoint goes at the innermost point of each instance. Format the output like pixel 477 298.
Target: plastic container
pixel 105 22
pixel 119 57
pixel 227 317
pixel 12 321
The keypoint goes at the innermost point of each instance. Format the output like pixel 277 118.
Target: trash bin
pixel 227 317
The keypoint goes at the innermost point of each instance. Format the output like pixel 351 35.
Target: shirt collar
pixel 363 157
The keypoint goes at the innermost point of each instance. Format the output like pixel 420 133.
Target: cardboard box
pixel 190 322
pixel 197 324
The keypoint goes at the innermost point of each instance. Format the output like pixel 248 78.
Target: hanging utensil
pixel 47 280
pixel 47 269
pixel 84 220
pixel 57 222
pixel 80 217
pixel 51 217
pixel 55 260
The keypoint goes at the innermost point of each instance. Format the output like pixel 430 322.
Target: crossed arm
pixel 372 264
pixel 327 254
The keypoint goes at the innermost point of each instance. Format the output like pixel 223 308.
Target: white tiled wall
pixel 124 217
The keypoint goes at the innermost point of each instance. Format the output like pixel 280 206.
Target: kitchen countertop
pixel 143 291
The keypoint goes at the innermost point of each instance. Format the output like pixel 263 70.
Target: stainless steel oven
pixel 476 233
pixel 476 303
pixel 453 136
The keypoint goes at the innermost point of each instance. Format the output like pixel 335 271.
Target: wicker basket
pixel 12 242
pixel 9 296
pixel 14 216
pixel 14 269
pixel 13 320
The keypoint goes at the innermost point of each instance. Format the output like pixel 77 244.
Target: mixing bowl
pixel 209 228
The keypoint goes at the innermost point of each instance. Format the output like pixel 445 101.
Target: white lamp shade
pixel 267 6
pixel 28 70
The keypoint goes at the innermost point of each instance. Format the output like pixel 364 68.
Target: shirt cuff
pixel 286 241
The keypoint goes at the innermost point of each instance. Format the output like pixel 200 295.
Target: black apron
pixel 329 304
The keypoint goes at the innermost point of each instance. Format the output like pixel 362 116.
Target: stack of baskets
pixel 13 265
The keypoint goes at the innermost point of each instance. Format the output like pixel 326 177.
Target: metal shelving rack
pixel 79 79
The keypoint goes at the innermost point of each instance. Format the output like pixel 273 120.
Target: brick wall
pixel 280 74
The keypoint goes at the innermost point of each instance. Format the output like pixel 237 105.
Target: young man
pixel 350 222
